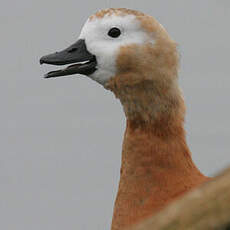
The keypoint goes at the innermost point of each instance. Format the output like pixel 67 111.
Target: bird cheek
pixel 127 59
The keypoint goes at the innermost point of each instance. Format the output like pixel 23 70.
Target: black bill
pixel 83 62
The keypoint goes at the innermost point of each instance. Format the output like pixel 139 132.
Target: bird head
pixel 124 50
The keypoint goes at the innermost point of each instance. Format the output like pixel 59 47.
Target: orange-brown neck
pixel 156 162
pixel 155 170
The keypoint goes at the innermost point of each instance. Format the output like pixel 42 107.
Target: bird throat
pixel 156 163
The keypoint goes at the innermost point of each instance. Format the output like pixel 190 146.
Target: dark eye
pixel 114 32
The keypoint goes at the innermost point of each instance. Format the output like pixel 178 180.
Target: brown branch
pixel 206 208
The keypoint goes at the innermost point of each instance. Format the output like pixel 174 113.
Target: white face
pixel 105 47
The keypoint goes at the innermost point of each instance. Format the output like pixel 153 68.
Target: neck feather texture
pixel 156 162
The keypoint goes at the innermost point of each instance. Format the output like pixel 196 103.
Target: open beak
pixel 83 62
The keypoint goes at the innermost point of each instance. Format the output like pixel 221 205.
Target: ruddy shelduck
pixel 132 55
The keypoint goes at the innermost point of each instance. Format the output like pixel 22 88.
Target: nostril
pixel 72 50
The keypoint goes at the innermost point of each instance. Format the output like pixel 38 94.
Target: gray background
pixel 61 138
